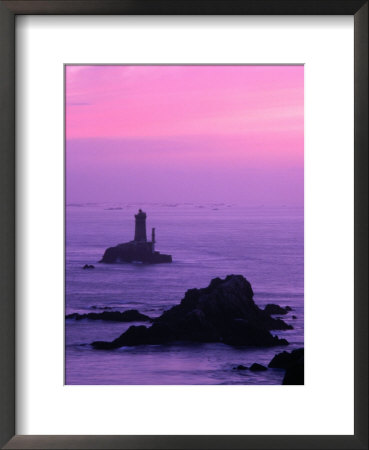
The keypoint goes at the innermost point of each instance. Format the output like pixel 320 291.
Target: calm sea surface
pixel 206 241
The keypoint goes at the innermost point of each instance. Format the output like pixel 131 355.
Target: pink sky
pixel 185 133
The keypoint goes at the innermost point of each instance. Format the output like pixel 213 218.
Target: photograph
pixel 184 224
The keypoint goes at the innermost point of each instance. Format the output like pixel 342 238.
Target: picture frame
pixel 8 11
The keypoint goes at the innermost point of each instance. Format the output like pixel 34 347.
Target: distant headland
pixel 140 250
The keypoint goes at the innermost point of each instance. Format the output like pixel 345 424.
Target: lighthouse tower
pixel 140 226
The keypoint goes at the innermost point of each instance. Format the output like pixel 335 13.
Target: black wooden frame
pixel 8 11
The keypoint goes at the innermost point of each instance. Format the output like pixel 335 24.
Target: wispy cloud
pixel 79 103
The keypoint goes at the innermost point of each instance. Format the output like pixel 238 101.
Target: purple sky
pixel 185 133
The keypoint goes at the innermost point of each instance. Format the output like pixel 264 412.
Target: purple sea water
pixel 264 244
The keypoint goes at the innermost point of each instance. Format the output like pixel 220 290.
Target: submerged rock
pixel 223 312
pixel 240 367
pixel 131 315
pixel 88 266
pixel 258 367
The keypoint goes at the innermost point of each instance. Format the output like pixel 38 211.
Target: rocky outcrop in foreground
pixel 223 312
pixel 285 359
pixel 293 363
pixel 131 315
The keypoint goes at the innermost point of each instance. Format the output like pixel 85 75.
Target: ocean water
pixel 266 245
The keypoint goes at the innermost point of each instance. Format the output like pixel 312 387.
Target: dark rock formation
pixel 134 252
pixel 223 312
pixel 131 315
pixel 293 363
pixel 295 373
pixel 258 368
pixel 240 367
pixel 88 266
pixel 139 335
pixel 294 317
pixel 276 309
pixel 285 359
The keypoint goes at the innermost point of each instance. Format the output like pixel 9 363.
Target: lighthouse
pixel 139 250
pixel 140 226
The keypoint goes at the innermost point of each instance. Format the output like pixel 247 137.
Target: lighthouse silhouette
pixel 140 226
pixel 139 250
